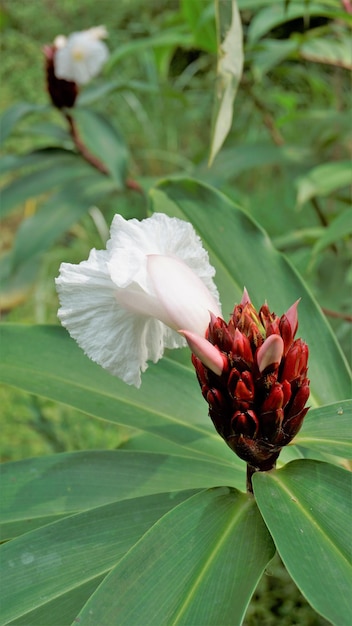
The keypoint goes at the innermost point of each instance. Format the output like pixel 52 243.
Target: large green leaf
pixel 229 71
pixel 62 610
pixel 243 255
pixel 104 141
pixel 41 359
pixel 198 565
pixel 68 483
pixel 328 429
pixel 307 508
pixel 55 560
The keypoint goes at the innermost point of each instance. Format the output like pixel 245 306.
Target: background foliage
pixel 285 162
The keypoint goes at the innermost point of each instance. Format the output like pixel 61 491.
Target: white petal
pixel 113 337
pixel 115 309
pixel 98 32
pixel 81 58
pixel 60 41
pixel 132 241
pixel 182 295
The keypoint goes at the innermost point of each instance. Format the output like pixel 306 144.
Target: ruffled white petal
pixel 118 340
pixel 109 303
pixel 81 58
pixel 132 241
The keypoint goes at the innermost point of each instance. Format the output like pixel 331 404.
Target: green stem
pixel 266 467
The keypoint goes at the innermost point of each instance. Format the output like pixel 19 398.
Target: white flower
pixel 80 56
pixel 125 304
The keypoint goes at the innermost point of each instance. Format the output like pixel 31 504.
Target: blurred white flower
pixel 81 55
pixel 125 304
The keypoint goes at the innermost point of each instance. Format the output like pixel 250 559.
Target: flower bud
pixel 245 423
pixel 258 403
pixel 241 350
pixel 63 93
pixel 295 365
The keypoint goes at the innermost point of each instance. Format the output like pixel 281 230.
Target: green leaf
pixel 276 14
pixel 36 360
pixel 198 565
pixel 243 255
pixel 37 233
pixel 11 162
pixel 14 114
pixel 324 180
pixel 340 228
pixel 229 71
pixel 335 52
pixel 104 141
pixel 269 53
pixel 72 482
pixel 173 37
pixel 16 285
pixel 58 134
pixel 328 429
pixel 230 163
pixel 307 508
pixel 56 559
pixel 56 171
pixel 62 610
pixel 100 90
pixel 201 19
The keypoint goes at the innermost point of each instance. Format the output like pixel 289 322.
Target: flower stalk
pixel 71 62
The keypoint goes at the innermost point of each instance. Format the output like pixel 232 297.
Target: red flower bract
pixel 257 403
pixel 63 93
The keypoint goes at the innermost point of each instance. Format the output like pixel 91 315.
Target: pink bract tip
pixel 270 352
pixel 210 355
pixel 245 298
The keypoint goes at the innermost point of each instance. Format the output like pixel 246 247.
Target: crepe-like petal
pixel 109 303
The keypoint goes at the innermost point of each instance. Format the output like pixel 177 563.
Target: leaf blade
pixel 35 359
pixel 68 483
pixel 296 503
pixel 54 560
pixel 178 586
pixel 328 429
pixel 229 72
